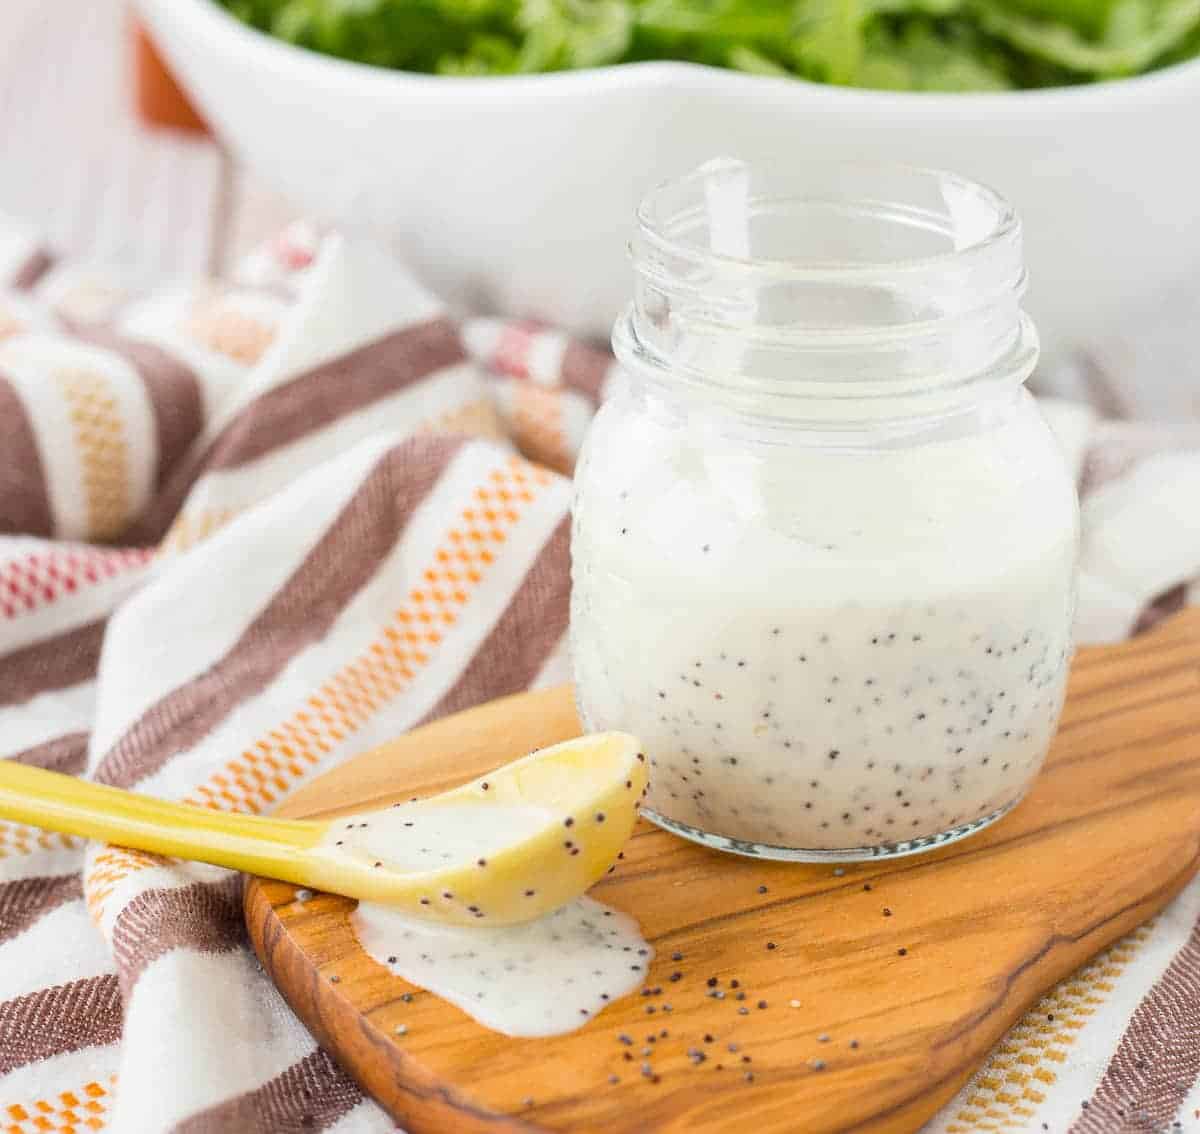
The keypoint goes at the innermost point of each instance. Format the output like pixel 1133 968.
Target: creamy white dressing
pixel 421 836
pixel 824 650
pixel 538 979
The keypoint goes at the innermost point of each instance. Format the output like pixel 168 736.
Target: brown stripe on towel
pixel 345 558
pixel 27 900
pixel 171 386
pixel 307 404
pixel 205 917
pixel 1168 603
pixel 525 635
pixel 586 368
pixel 24 497
pixel 310 1095
pixel 29 273
pixel 54 1021
pixel 66 754
pixel 1158 1058
pixel 57 662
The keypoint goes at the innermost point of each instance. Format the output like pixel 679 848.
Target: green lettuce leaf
pixel 565 34
pixel 744 21
pixel 920 45
pixel 925 56
pixel 743 57
pixel 1135 34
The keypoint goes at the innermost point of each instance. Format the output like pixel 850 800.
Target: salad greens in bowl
pixel 493 147
pixel 912 45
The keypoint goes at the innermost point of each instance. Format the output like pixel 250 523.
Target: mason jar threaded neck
pixel 830 291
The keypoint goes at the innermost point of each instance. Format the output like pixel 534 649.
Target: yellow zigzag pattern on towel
pixel 100 439
pixel 69 1112
pixel 191 528
pixel 16 838
pixel 218 325
pixel 1021 1067
pixel 266 771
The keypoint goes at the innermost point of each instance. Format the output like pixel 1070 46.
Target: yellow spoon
pixel 505 848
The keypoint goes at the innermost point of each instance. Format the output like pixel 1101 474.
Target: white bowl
pixel 517 194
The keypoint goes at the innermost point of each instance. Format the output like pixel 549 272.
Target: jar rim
pixel 853 280
pixel 657 223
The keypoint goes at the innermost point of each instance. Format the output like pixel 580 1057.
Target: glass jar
pixel 824 544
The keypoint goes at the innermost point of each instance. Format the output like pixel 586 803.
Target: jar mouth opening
pixel 808 222
pixel 863 278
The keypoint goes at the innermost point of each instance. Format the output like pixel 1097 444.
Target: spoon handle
pixel 274 847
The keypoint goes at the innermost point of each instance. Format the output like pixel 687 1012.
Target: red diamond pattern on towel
pixel 47 575
pixel 511 354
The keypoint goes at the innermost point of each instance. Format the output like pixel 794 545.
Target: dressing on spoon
pixel 524 840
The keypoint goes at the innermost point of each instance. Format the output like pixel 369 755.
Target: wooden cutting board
pixel 912 969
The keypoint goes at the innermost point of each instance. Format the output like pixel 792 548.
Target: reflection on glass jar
pixel 824 544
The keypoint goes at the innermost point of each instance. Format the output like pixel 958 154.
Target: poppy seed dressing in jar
pixel 824 544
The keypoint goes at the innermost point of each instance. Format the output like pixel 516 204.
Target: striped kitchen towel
pixel 250 529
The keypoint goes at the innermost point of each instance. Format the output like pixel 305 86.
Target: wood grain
pixel 1108 835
